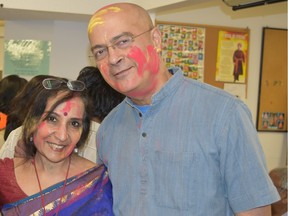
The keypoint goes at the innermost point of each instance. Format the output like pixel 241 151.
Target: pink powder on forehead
pixel 67 107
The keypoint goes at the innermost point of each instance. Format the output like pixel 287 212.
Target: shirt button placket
pixel 144 177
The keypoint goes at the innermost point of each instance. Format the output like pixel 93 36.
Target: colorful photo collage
pixel 273 120
pixel 183 46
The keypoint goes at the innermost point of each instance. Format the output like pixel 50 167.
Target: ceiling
pixel 76 10
pixel 81 10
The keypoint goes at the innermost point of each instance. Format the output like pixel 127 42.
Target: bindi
pixel 65 113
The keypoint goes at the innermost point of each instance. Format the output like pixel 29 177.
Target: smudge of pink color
pixel 105 70
pixel 67 108
pixel 152 65
pixel 154 60
pixel 43 124
pixel 137 54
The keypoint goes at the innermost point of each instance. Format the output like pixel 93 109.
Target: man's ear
pixel 157 39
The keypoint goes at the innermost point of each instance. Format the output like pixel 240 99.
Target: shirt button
pixel 140 114
pixel 144 134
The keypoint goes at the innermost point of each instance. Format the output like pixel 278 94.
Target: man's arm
pixel 261 211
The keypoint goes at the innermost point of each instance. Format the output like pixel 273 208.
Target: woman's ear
pixel 157 39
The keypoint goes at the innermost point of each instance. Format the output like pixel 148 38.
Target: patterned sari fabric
pixel 87 194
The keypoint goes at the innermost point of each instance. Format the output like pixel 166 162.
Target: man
pixel 279 178
pixel 175 146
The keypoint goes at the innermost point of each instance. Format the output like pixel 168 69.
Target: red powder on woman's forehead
pixel 66 108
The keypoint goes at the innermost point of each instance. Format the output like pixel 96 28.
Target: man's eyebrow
pixel 112 40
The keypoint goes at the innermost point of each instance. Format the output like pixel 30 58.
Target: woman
pixel 9 87
pixel 16 115
pixel 52 180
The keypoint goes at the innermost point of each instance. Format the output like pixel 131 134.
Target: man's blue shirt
pixel 194 152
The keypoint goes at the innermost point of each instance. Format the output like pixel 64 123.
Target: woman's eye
pixel 75 124
pixel 51 118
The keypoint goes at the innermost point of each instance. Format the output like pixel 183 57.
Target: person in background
pixel 21 102
pixel 9 87
pixel 19 107
pixel 52 179
pixel 279 178
pixel 175 146
pixel 103 99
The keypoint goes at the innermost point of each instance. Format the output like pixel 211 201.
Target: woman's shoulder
pixel 82 164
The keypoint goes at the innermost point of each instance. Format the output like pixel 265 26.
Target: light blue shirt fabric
pixel 194 152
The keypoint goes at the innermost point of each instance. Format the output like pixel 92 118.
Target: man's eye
pixel 100 52
pixel 123 42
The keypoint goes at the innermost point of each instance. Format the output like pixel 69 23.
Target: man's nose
pixel 115 55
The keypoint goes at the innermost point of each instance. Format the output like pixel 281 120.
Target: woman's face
pixel 57 134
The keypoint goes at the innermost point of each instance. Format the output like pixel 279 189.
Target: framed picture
pixel 272 100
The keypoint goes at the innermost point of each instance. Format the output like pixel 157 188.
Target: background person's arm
pixel 261 211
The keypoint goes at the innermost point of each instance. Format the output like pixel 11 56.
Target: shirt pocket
pixel 174 179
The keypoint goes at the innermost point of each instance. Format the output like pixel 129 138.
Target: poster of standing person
pixel 183 46
pixel 26 57
pixel 232 54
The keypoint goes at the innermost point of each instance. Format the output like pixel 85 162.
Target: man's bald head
pixel 127 12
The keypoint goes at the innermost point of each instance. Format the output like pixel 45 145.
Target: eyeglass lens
pixel 122 42
pixel 75 85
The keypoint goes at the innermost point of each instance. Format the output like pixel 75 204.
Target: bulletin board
pixel 272 100
pixel 210 48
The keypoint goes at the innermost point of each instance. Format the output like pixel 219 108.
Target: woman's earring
pixel 76 150
pixel 31 139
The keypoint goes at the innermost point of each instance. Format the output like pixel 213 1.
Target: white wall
pixel 212 13
pixel 70 49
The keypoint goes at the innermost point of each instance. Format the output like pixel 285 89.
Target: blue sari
pixel 89 193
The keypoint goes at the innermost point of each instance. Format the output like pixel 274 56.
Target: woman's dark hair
pixel 9 87
pixel 102 96
pixel 21 103
pixel 35 113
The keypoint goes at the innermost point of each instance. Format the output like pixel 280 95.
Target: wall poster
pixel 26 57
pixel 183 46
pixel 232 55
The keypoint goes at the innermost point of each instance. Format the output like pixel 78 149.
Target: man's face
pixel 124 52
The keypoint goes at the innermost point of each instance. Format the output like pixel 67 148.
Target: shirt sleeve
pixel 242 162
pixel 8 148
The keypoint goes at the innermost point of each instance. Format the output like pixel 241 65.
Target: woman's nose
pixel 61 133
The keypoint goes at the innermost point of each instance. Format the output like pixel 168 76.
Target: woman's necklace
pixel 41 192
